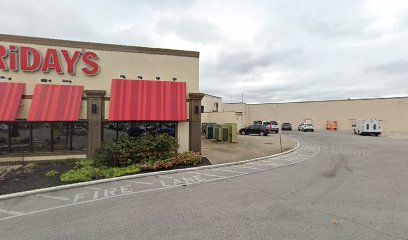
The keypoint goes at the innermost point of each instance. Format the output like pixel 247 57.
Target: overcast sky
pixel 272 51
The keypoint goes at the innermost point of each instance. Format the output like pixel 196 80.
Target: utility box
pixel 226 136
pixel 218 133
pixel 233 133
pixel 210 132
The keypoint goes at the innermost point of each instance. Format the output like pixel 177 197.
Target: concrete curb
pixel 82 184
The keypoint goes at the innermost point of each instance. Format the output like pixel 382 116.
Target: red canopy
pixel 147 100
pixel 10 99
pixel 55 103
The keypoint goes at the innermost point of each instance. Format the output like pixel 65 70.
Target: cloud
pixel 189 29
pixel 392 67
pixel 272 51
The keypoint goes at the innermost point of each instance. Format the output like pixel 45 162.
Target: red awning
pixel 55 103
pixel 10 99
pixel 143 100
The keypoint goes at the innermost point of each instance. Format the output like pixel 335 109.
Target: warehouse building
pixel 63 98
pixel 392 111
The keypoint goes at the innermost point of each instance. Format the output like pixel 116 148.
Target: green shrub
pixel 119 171
pixel 88 173
pixel 52 173
pixel 30 165
pixel 129 150
pixel 86 162
pixel 84 174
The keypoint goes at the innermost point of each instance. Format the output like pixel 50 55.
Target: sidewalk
pixel 248 147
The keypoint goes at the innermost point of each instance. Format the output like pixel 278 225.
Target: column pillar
pixel 195 121
pixel 95 115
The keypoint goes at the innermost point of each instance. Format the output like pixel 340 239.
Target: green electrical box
pixel 226 136
pixel 234 132
pixel 218 134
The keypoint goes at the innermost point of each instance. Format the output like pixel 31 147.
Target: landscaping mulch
pixel 23 178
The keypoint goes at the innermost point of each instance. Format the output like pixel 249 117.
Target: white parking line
pixel 162 176
pixel 93 188
pixel 249 168
pixel 131 181
pixel 225 170
pixel 261 164
pixel 11 212
pixel 211 175
pixel 53 197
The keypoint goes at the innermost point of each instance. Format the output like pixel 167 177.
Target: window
pixel 22 136
pixel 61 136
pixel 367 126
pixel 79 136
pixel 113 130
pixel 202 109
pixel 19 136
pixel 375 126
pixel 41 136
pixel 215 107
pixel 4 138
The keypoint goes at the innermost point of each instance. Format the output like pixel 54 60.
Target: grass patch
pixel 52 173
pixel 31 165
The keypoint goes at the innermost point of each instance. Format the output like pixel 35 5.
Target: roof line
pixel 96 46
pixel 317 101
pixel 206 94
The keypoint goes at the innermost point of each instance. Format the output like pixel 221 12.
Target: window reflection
pixel 4 138
pixel 80 136
pixel 113 130
pixel 22 136
pixel 41 136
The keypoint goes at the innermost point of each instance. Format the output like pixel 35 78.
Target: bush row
pixel 89 173
pixel 187 158
pixel 129 150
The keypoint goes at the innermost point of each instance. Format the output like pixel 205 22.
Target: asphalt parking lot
pixel 247 147
pixel 335 186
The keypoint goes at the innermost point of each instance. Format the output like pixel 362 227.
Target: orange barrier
pixel 331 125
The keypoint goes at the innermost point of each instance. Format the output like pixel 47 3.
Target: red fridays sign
pixel 28 59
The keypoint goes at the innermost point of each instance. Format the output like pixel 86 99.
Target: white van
pixel 368 127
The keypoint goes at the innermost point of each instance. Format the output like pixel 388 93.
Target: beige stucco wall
pixel 209 101
pixel 392 111
pixel 222 117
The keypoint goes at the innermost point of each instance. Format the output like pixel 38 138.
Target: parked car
pixel 255 129
pixel 287 126
pixel 3 128
pixel 307 127
pixel 272 126
pixel 135 131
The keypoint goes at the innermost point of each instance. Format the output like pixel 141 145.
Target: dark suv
pixel 255 129
pixel 287 126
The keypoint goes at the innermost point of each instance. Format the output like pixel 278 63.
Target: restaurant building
pixel 62 98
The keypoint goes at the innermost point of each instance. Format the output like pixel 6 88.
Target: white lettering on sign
pixel 183 181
